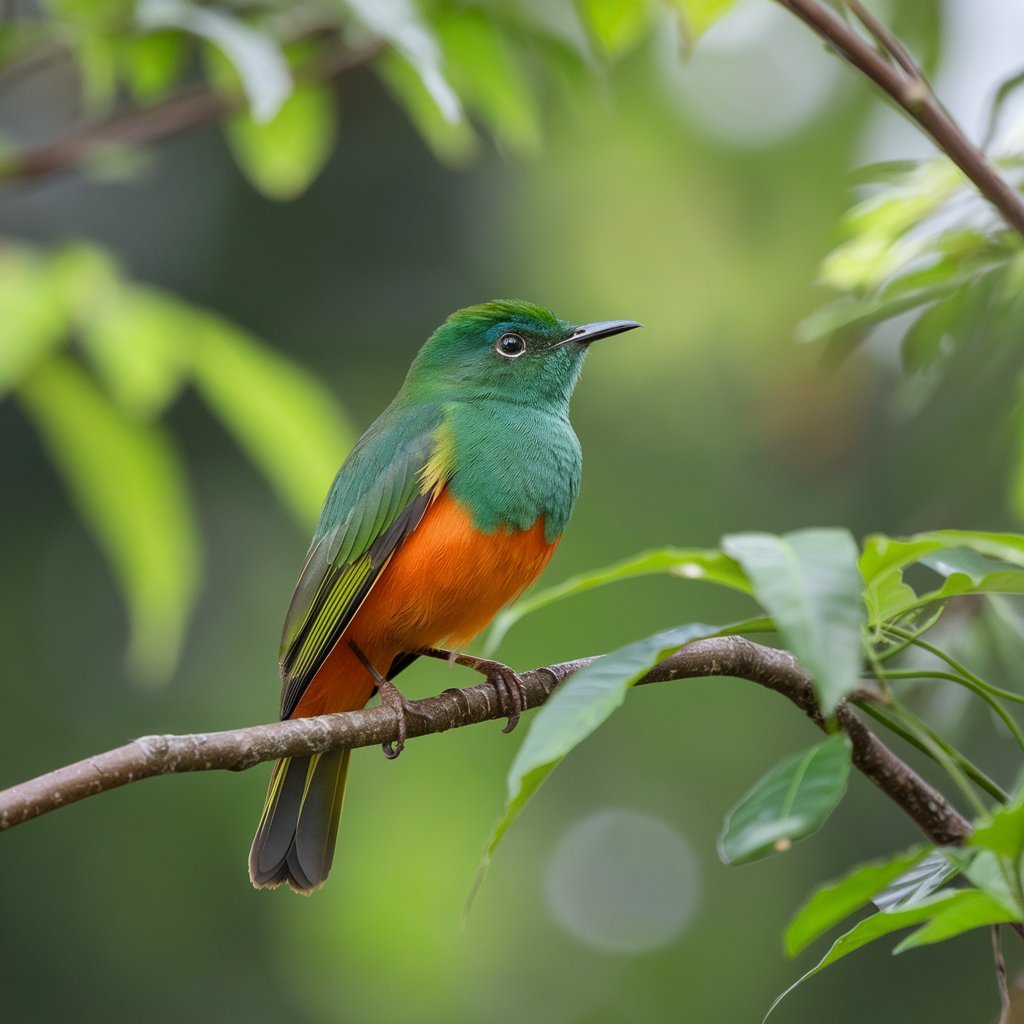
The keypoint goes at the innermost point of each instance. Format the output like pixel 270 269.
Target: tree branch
pixel 239 749
pixel 894 71
pixel 185 111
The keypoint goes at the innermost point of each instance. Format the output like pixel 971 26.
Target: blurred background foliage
pixel 437 154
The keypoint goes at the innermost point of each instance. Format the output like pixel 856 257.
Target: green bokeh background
pixel 136 905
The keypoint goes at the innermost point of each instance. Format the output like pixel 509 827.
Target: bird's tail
pixel 295 839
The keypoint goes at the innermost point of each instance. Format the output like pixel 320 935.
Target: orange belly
pixel 441 588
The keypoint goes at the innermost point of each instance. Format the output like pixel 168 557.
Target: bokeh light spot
pixel 622 881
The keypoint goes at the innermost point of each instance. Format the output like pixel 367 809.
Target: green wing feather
pixel 377 499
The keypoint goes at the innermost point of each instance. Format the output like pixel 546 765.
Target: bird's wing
pixel 378 498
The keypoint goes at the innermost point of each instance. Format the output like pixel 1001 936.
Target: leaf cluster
pixel 849 613
pixel 96 361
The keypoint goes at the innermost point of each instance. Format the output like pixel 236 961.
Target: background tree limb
pixel 892 69
pixel 185 111
pixel 238 749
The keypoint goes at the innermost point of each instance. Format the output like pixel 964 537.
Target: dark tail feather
pixel 295 839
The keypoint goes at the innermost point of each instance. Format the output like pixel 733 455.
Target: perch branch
pixel 895 72
pixel 239 749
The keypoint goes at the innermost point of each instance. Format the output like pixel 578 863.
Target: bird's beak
pixel 601 329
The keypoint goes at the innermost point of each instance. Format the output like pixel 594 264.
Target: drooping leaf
pixel 808 583
pixel 991 873
pixel 875 927
pixel 1007 87
pixel 967 572
pixel 697 16
pixel 256 55
pixel 452 142
pixel 789 803
pixel 836 900
pixel 126 479
pixel 884 559
pixel 139 342
pixel 972 909
pixel 1003 832
pixel 689 563
pixel 855 313
pixel 282 416
pixel 490 78
pixel 151 63
pixel 35 320
pixel 575 710
pixel 616 25
pixel 283 156
pixel 400 24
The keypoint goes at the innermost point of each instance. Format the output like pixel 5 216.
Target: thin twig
pixel 887 41
pixel 1000 965
pixel 912 92
pixel 239 749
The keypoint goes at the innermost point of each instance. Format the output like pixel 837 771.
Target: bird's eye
pixel 510 346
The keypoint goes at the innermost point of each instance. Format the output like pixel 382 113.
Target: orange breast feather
pixel 441 588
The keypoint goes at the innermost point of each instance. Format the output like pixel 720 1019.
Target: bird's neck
pixel 512 463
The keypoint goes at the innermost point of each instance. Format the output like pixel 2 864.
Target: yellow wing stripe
pixel 341 593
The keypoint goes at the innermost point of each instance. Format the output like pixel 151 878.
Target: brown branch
pixel 902 80
pixel 185 111
pixel 239 749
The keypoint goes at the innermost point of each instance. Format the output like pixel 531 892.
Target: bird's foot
pixel 510 687
pixel 393 699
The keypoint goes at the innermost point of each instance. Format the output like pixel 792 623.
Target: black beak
pixel 601 329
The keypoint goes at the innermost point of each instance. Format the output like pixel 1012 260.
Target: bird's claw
pixel 509 686
pixel 391 697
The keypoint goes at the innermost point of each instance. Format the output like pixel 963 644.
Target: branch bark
pixel 893 71
pixel 239 749
pixel 185 111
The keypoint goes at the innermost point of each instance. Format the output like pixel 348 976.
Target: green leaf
pixel 34 319
pixel 283 156
pixel 399 23
pixel 151 63
pixel 256 56
pixel 969 573
pixel 874 927
pixel 1003 832
pixel 616 25
pixel 789 803
pixel 808 583
pixel 452 142
pixel 139 342
pixel 97 68
pixel 490 78
pixel 970 909
pixel 689 563
pixel 575 710
pixel 1007 87
pixel 884 558
pixel 992 874
pixel 126 479
pixel 836 900
pixel 697 16
pixel 850 314
pixel 287 422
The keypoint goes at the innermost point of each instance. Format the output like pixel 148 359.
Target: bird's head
pixel 509 350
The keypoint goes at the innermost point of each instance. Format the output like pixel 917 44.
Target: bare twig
pixel 239 749
pixel 895 72
pixel 185 111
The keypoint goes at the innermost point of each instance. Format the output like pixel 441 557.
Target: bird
pixel 444 511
